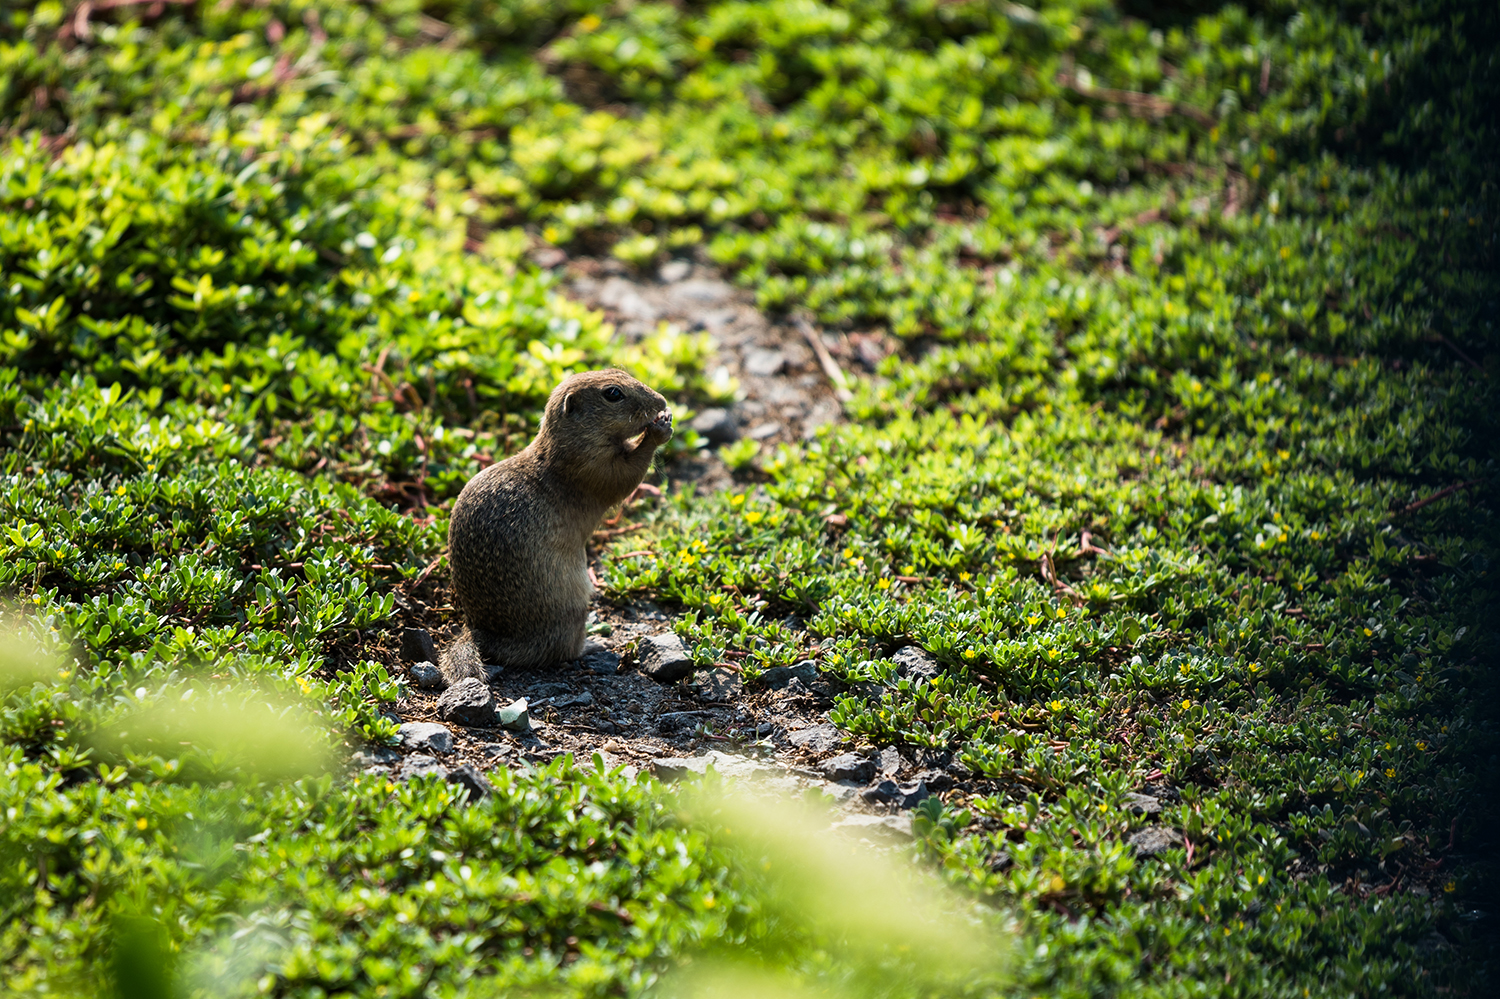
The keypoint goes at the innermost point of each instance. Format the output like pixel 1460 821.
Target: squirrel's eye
pixel 613 393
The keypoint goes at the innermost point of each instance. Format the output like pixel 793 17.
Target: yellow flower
pixel 119 490
pixel 1062 612
pixel 1186 704
pixel 1390 771
pixel 848 553
pixel 141 823
pixel 963 577
pixel 1286 252
pixel 1421 747
pixel 589 22
pixel 738 499
pixel 1315 535
pixel 1368 632
pixel 753 516
pixel 970 654
pixel 688 558
pixel 1055 705
pixel 882 584
pixel 1255 667
pixel 1451 886
pixel 1033 620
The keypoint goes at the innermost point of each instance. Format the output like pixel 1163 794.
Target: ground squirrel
pixel 517 538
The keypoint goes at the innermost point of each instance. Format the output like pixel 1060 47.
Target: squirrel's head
pixel 605 426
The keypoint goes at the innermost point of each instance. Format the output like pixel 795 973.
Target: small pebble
pixel 426 676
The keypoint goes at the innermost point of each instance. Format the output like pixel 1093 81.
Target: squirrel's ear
pixel 567 403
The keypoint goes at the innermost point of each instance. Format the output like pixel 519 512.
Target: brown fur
pixel 517 538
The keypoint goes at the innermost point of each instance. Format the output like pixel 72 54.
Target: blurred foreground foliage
pixel 1180 462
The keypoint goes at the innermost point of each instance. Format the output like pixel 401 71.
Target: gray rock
pixel 689 295
pixel 468 702
pixel 1152 840
pixel 670 768
pixel 764 363
pixel 677 722
pixel 421 765
pixel 915 663
pixel 373 758
pixel 600 661
pixel 937 781
pixel 877 828
pixel 624 297
pixel 779 676
pixel 427 676
pixel 793 690
pixel 477 784
pixel 761 431
pixel 818 738
pixel 848 766
pixel 548 257
pixel 1142 804
pixel 890 761
pixel 719 685
pixel 718 426
pixel 417 646
pixel 426 735
pixel 888 792
pixel 663 659
pixel 674 270
pixel 514 717
pixel 581 699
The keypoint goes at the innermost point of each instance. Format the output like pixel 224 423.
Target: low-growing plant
pixel 1177 461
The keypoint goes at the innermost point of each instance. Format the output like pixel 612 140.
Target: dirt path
pixel 776 735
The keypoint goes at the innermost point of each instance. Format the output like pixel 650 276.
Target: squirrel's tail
pixel 462 659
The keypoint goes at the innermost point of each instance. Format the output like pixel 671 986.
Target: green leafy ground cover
pixel 1186 460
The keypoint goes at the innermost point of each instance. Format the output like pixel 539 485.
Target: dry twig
pixel 830 366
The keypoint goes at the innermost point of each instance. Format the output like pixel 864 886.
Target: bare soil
pixel 605 706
